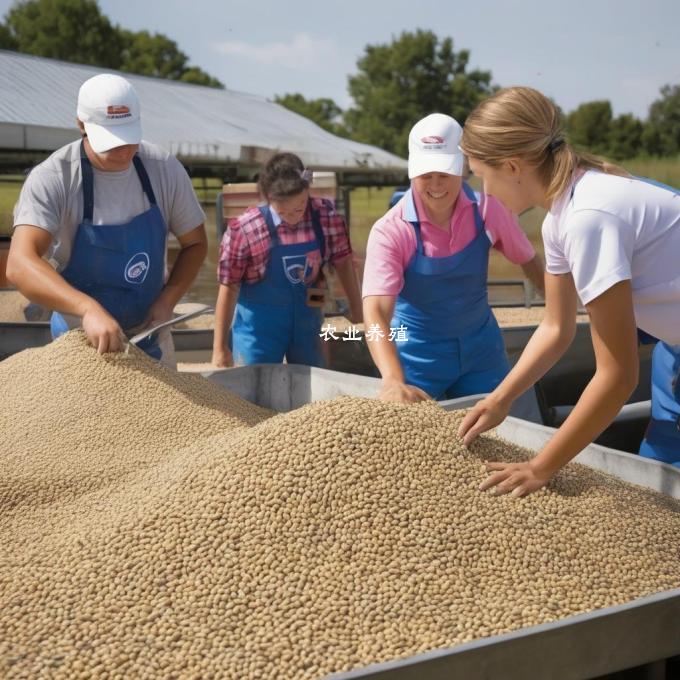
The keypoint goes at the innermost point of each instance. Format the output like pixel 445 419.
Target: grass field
pixel 10 186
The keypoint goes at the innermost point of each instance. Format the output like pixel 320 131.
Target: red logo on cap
pixel 432 139
pixel 117 110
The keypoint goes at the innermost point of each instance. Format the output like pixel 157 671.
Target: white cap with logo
pixel 433 146
pixel 108 106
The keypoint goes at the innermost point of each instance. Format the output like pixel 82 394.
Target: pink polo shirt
pixel 392 241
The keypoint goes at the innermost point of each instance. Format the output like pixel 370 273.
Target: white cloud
pixel 302 51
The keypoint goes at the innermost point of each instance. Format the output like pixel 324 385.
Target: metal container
pixel 642 632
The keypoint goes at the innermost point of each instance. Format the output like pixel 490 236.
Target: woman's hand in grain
pixel 483 416
pixel 401 393
pixel 517 479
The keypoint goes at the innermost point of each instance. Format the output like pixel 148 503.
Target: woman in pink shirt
pixel 429 326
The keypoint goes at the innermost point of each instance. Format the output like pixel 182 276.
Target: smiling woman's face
pixel 438 191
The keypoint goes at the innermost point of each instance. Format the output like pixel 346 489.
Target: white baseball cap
pixel 108 106
pixel 433 146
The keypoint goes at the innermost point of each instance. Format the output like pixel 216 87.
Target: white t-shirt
pixel 606 229
pixel 52 196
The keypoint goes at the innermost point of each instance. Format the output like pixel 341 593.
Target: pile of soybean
pixel 153 527
pixel 12 306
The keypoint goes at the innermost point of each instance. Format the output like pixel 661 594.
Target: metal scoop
pixel 148 332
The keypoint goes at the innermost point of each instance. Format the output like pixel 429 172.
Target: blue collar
pixel 408 211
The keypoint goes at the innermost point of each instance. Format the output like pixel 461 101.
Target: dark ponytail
pixel 283 176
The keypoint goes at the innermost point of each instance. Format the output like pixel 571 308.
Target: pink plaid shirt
pixel 244 251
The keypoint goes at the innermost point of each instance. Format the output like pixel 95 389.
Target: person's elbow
pixel 621 379
pixel 16 266
pixel 628 378
pixel 370 310
pixel 559 332
pixel 535 272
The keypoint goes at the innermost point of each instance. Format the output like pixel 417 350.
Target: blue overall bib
pixel 273 319
pixel 454 347
pixel 121 266
pixel 662 438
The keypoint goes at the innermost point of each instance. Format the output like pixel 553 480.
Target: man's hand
pixel 159 312
pixel 102 330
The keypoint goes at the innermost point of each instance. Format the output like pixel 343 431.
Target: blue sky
pixel 574 51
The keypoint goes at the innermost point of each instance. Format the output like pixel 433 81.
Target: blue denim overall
pixel 662 438
pixel 454 345
pixel 273 319
pixel 121 266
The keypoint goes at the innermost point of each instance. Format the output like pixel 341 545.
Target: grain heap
pixel 509 317
pixel 198 322
pixel 73 419
pixel 12 306
pixel 343 533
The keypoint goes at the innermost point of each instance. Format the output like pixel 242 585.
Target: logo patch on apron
pixel 297 267
pixel 137 268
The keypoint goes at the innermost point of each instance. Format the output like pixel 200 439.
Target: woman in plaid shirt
pixel 271 272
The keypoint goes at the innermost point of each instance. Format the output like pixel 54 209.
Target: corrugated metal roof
pixel 38 112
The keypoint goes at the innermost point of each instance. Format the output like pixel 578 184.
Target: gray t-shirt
pixel 52 196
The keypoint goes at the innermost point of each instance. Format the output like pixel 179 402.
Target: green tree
pixel 152 55
pixel 77 31
pixel 158 56
pixel 197 76
pixel 589 126
pixel 400 82
pixel 7 40
pixel 661 136
pixel 324 112
pixel 70 30
pixel 625 137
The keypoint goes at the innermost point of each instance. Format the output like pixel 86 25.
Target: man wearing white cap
pixel 433 334
pixel 99 210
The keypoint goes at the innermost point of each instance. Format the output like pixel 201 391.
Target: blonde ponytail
pixel 520 122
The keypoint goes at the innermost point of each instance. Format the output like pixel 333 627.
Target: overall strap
pixel 271 227
pixel 318 231
pixel 419 237
pixel 144 179
pixel 410 206
pixel 469 192
pixel 88 184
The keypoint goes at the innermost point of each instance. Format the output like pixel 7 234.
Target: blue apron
pixel 454 345
pixel 273 319
pixel 121 266
pixel 662 438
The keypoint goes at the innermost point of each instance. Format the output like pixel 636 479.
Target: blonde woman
pixel 611 239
